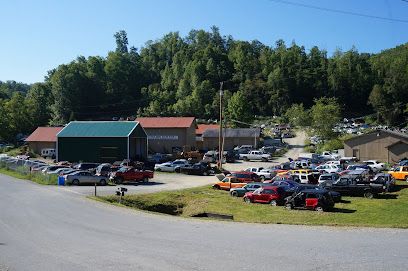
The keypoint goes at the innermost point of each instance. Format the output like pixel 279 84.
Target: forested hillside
pixel 180 76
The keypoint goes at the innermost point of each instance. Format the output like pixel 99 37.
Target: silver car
pixel 84 177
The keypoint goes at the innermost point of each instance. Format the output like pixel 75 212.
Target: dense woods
pixel 180 76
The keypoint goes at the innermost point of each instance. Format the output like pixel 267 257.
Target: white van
pixel 48 153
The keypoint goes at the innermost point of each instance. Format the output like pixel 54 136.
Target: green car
pixel 250 187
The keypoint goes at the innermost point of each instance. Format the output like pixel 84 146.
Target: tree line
pixel 180 76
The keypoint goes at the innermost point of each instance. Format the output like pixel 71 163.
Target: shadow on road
pixel 144 183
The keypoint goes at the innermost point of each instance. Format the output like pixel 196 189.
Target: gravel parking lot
pixel 173 181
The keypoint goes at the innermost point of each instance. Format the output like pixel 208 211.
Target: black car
pixel 313 199
pixel 348 185
pixel 198 169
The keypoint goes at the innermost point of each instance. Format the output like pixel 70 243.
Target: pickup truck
pixel 330 156
pixel 348 185
pixel 256 155
pixel 400 173
pixel 130 174
pixel 262 172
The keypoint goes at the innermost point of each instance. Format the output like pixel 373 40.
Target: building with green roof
pixel 101 141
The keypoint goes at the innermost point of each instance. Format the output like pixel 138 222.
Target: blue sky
pixel 38 35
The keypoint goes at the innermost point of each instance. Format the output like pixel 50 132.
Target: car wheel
pixel 216 187
pixel 273 203
pixel 234 193
pixel 406 178
pixel 119 180
pixel 177 170
pixel 262 178
pixel 289 206
pixel 247 200
pixel 205 173
pixel 319 208
pixel 368 195
pixel 246 158
pixel 264 160
pixel 75 182
pixel 159 169
pixel 146 180
pixel 102 182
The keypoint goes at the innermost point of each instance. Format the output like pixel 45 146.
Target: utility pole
pixel 220 154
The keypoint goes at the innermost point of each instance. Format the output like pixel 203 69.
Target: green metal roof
pixel 98 129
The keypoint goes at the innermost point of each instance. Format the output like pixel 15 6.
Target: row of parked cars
pixel 296 185
pixel 83 173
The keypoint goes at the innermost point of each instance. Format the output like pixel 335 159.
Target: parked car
pixel 246 177
pixel 386 180
pixel 243 149
pixel 48 153
pixel 62 171
pixel 263 173
pixel 198 169
pixel 269 149
pixel 105 169
pixel 158 158
pixel 249 187
pixel 255 155
pixel 273 195
pixel 328 178
pixel 328 168
pixel 318 200
pixel 358 166
pixel 85 166
pixel 375 165
pixel 228 183
pixel 348 185
pixel 51 168
pixel 84 177
pixel 174 166
pixel 130 174
pixel 400 173
pixel 306 178
pixel 330 156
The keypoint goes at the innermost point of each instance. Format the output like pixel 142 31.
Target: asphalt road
pixel 44 228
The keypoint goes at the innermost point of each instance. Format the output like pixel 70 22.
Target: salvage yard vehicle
pixel 246 177
pixel 318 200
pixel 330 156
pixel 272 195
pixel 263 173
pixel 400 173
pixel 240 192
pixel 386 180
pixel 328 178
pixel 130 174
pixel 306 178
pixel 174 166
pixel 86 166
pixel 198 169
pixel 255 155
pixel 375 165
pixel 84 177
pixel 349 185
pixel 328 168
pixel 228 182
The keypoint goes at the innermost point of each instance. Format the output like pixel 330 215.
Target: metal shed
pixel 101 141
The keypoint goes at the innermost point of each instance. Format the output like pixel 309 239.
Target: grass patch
pixel 25 175
pixel 385 211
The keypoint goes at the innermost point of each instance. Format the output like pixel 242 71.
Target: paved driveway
pixel 43 228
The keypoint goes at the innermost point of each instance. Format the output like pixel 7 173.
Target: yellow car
pixel 399 173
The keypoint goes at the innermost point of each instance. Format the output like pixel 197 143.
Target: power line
pixel 340 11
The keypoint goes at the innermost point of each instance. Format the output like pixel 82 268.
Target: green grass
pixel 24 175
pixel 390 211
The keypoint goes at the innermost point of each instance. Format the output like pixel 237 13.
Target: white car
pixel 263 173
pixel 337 163
pixel 62 171
pixel 328 168
pixel 171 166
pixel 330 156
pixel 375 165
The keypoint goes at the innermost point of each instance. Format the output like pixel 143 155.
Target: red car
pixel 246 177
pixel 273 195
pixel 130 174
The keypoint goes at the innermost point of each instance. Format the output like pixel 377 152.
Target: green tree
pixel 237 109
pixel 298 116
pixel 326 112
